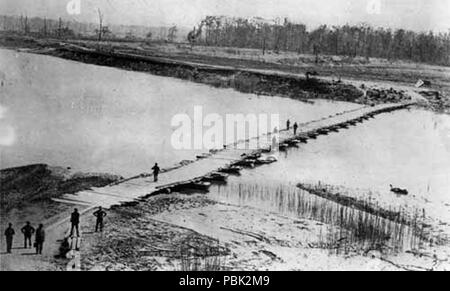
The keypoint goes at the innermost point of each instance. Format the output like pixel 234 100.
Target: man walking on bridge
pixel 75 221
pixel 9 233
pixel 39 239
pixel 156 171
pixel 28 232
pixel 100 214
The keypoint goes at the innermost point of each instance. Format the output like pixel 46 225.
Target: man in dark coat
pixel 100 214
pixel 75 221
pixel 39 239
pixel 28 232
pixel 295 128
pixel 156 171
pixel 9 233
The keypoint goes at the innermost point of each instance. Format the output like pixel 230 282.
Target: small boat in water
pixel 399 191
pixel 293 142
pixel 203 156
pixel 253 156
pixel 266 160
pixel 190 187
pixel 233 170
pixel 202 186
pixel 283 147
pixel 333 129
pixel 247 163
pixel 312 135
pixel 303 139
pixel 215 177
pixel 323 131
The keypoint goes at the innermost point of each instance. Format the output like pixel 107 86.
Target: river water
pixel 101 119
pixel 408 149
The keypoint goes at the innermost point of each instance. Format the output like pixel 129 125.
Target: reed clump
pixel 354 225
pixel 210 257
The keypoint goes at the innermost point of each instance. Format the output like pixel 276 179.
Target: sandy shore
pixel 160 233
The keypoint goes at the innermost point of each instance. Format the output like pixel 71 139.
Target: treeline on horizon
pixel 347 40
pixel 45 27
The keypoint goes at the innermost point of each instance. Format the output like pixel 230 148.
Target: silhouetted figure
pixel 100 214
pixel 75 221
pixel 156 171
pixel 28 232
pixel 288 124
pixel 274 143
pixel 295 128
pixel 39 239
pixel 9 233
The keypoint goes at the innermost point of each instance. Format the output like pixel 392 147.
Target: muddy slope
pixel 240 80
pixel 40 182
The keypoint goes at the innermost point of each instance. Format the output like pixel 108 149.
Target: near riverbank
pixel 195 232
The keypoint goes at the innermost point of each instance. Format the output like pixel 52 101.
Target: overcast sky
pixel 419 15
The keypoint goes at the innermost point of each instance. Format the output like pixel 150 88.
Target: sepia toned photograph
pixel 225 135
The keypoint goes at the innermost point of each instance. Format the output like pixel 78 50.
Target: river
pixel 101 119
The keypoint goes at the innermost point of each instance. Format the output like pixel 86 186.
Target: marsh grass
pixel 210 257
pixel 357 226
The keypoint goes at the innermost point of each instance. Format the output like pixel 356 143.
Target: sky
pixel 418 15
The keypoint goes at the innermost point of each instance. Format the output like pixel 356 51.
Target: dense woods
pixel 348 40
pixel 277 35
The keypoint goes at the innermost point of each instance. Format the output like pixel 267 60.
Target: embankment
pixel 40 182
pixel 245 81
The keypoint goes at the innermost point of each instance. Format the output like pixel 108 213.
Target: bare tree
pixel 24 24
pixel 60 28
pixel 172 33
pixel 45 27
pixel 100 26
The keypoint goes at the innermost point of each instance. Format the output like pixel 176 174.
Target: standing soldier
pixel 28 232
pixel 156 170
pixel 295 128
pixel 288 124
pixel 75 221
pixel 9 233
pixel 100 214
pixel 39 239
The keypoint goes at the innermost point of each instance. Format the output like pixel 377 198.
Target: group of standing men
pixel 75 221
pixel 39 234
pixel 28 231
